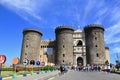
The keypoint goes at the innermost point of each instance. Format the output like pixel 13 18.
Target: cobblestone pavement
pixel 76 75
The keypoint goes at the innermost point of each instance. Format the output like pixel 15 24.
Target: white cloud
pixel 116 50
pixel 24 5
pixel 27 9
pixel 112 33
pixel 102 12
pixel 115 14
pixel 89 6
pixel 97 10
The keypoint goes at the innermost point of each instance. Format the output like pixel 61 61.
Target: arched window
pixel 97 55
pixel 79 43
pixel 96 46
pixel 63 55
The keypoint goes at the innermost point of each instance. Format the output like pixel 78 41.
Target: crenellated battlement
pixel 47 43
pixel 60 28
pixel 31 30
pixel 89 49
pixel 94 26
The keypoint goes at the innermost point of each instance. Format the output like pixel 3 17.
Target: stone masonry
pixel 71 47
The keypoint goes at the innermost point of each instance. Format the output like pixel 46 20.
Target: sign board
pixel 38 63
pixel 25 62
pixel 42 63
pixel 32 62
pixel 2 59
pixel 15 60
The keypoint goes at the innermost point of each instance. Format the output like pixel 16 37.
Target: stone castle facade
pixel 71 47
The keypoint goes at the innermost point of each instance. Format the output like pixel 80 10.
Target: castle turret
pixel 64 45
pixel 107 54
pixel 31 44
pixel 95 49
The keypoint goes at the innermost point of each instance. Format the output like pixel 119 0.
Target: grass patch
pixel 10 73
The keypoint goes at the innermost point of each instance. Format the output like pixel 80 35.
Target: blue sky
pixel 46 15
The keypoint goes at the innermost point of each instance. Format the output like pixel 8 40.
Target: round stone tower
pixel 107 54
pixel 64 45
pixel 30 44
pixel 95 49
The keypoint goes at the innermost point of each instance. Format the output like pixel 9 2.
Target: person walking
pixel 65 69
pixel 108 68
pixel 99 69
pixel 105 68
pixel 92 67
pixel 61 69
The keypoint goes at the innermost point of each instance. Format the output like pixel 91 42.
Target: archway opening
pixel 79 43
pixel 79 61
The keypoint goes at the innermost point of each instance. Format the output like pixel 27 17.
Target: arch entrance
pixel 79 43
pixel 79 61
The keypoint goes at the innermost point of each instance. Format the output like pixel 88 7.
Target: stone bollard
pixel 14 75
pixel 0 77
pixel 24 74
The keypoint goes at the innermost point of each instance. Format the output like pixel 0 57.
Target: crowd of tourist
pixel 63 69
pixel 89 68
pixel 92 68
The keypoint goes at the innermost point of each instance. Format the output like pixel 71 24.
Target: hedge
pixel 7 69
pixel 42 68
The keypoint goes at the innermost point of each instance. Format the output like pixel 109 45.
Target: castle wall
pixel 95 51
pixel 43 56
pixel 47 50
pixel 64 45
pixel 69 47
pixel 107 54
pixel 79 50
pixel 31 45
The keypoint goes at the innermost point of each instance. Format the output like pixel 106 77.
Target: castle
pixel 71 47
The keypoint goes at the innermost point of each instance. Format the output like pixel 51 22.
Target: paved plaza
pixel 76 75
pixel 70 75
pixel 44 76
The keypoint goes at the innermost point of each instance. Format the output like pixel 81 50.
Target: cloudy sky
pixel 46 15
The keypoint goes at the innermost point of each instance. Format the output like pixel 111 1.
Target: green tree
pixel 107 62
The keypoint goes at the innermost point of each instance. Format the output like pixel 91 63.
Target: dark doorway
pixel 79 61
pixel 79 43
